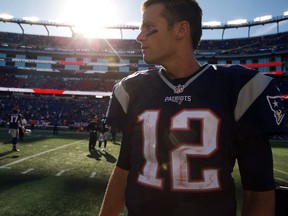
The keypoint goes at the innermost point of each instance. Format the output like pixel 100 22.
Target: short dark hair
pixel 179 10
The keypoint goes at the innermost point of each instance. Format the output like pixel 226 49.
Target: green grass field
pixel 56 175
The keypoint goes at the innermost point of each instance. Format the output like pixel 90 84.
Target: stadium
pixel 72 78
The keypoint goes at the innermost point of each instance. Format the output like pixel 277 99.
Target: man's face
pixel 157 41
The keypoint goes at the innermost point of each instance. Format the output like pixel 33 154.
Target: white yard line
pixel 281 153
pixel 93 174
pixel 50 150
pixel 282 180
pixel 281 171
pixel 61 172
pixel 27 171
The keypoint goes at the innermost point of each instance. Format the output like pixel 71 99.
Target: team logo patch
pixel 275 104
pixel 179 89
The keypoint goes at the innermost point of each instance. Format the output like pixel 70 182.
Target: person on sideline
pixel 55 126
pixel 93 129
pixel 104 134
pixel 185 125
pixel 113 132
pixel 22 129
pixel 14 125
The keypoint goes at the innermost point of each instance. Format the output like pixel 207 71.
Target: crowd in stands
pixel 246 45
pixel 75 112
pixel 56 82
pixel 74 44
pixel 43 110
pixel 80 44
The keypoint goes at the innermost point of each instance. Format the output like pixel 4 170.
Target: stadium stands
pixel 83 66
pixel 72 112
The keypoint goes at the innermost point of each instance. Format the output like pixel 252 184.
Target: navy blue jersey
pixel 15 121
pixel 104 126
pixel 181 138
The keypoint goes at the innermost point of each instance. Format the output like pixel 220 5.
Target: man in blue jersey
pixel 14 124
pixel 185 125
pixel 103 135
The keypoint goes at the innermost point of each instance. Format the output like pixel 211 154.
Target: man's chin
pixel 148 61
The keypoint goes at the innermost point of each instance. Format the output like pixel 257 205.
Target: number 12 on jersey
pixel 179 156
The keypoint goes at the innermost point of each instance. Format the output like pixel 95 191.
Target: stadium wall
pixel 28 56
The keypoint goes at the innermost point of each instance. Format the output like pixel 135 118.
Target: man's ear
pixel 182 29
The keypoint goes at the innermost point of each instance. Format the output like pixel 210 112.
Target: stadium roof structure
pixel 206 25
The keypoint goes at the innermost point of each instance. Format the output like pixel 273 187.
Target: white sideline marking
pixel 27 171
pixel 61 172
pixel 283 180
pixel 50 150
pixel 281 171
pixel 280 153
pixel 93 174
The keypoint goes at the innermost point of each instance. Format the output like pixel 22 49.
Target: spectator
pixel 22 128
pixel 93 129
pixel 55 127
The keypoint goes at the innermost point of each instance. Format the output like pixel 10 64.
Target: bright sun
pixel 90 15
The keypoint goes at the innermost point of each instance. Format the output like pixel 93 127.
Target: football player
pixel 185 125
pixel 14 125
pixel 104 133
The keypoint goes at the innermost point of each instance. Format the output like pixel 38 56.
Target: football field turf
pixel 56 175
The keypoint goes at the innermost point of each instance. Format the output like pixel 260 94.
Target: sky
pixel 92 14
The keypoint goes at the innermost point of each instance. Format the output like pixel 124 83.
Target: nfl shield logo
pixel 179 89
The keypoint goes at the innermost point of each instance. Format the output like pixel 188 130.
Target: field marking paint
pixel 93 174
pixel 50 150
pixel 281 171
pixel 6 167
pixel 61 172
pixel 280 153
pixel 27 171
pixel 283 180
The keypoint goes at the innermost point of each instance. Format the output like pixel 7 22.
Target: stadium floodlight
pixel 31 19
pixel 211 24
pixel 237 22
pixel 285 13
pixel 6 16
pixel 263 18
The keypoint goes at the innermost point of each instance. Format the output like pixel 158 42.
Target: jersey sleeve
pixel 259 113
pixel 261 107
pixel 117 109
pixel 117 118
pixel 255 162
pixel 125 151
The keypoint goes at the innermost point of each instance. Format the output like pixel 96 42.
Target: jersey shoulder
pixel 140 76
pixel 235 70
pixel 139 80
pixel 239 76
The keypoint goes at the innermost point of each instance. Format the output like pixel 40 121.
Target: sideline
pixel 50 150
